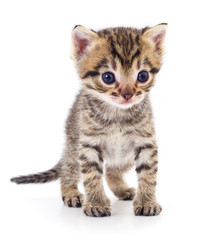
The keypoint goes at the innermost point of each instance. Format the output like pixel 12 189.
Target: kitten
pixel 111 120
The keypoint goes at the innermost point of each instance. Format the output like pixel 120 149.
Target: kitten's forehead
pixel 123 43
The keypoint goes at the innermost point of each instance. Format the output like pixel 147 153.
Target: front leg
pixel 96 203
pixel 146 167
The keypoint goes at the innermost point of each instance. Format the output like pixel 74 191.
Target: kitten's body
pixel 99 132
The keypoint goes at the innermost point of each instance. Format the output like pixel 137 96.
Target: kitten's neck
pixel 108 112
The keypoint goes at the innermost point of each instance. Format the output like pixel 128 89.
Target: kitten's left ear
pixel 82 40
pixel 157 35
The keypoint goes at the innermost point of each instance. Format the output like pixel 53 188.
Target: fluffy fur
pixel 110 124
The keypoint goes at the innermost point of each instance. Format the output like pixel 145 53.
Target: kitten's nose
pixel 127 96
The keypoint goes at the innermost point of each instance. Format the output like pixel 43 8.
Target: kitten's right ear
pixel 82 40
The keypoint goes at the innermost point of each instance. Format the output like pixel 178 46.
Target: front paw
pixel 147 209
pixel 97 209
pixel 74 200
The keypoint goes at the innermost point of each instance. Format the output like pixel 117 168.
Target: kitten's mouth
pixel 126 103
pixel 123 102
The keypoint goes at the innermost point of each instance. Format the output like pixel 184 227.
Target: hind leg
pixel 116 183
pixel 70 176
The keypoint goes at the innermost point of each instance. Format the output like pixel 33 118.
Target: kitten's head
pixel 118 65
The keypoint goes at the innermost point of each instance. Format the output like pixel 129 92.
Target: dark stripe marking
pixel 91 166
pixel 114 51
pixel 137 39
pixel 102 63
pixel 139 149
pixel 131 40
pixel 138 93
pixel 155 170
pixel 154 154
pixel 83 157
pixel 136 54
pixel 114 94
pixel 145 167
pixel 142 167
pixel 147 62
pixel 91 74
pixel 77 26
pixel 154 70
pixel 153 183
pixel 89 87
pixel 144 134
pixel 96 148
pixel 145 29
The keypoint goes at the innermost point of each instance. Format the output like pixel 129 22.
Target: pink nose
pixel 127 96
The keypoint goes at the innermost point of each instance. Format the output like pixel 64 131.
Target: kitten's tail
pixel 42 177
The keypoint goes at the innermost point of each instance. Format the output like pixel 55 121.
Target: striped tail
pixel 43 177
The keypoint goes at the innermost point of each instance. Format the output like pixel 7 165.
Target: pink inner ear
pixel 158 39
pixel 81 44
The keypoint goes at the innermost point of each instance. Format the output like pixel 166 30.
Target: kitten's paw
pixel 128 194
pixel 96 210
pixel 73 201
pixel 147 209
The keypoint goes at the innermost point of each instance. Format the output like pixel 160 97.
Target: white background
pixel 38 84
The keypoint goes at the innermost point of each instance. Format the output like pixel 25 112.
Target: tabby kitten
pixel 111 120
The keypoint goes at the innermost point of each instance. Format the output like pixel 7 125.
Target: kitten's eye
pixel 108 77
pixel 143 76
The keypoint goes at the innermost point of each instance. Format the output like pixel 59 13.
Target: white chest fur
pixel 118 149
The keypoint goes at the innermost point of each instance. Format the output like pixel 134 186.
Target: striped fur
pixel 42 177
pixel 102 129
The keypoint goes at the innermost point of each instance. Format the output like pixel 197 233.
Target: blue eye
pixel 143 76
pixel 108 77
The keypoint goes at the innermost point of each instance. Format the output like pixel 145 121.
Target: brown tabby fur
pixel 100 132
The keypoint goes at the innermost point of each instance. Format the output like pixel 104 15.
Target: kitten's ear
pixel 82 40
pixel 157 35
